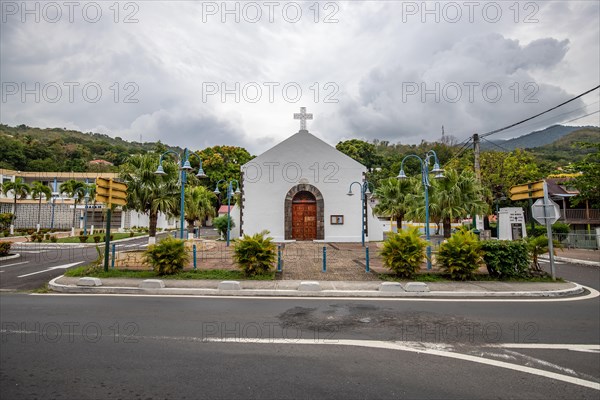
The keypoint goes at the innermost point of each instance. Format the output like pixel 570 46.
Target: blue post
pixel 228 210
pixel 427 227
pixel 182 200
pixel 278 258
pixel 362 209
pixel 194 248
pixel 324 259
pixel 85 208
pixel 367 259
pixel 112 264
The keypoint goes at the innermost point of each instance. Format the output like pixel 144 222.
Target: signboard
pixel 534 190
pixel 550 214
pixel 111 192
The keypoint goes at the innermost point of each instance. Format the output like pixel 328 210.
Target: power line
pixel 497 145
pixel 583 116
pixel 537 115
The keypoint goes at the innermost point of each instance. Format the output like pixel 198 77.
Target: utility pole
pixel 477 166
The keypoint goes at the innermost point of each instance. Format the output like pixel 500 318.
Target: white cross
pixel 303 116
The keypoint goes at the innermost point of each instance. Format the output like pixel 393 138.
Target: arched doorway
pixel 304 216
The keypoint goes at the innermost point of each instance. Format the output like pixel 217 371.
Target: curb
pixel 11 257
pixel 572 261
pixel 578 289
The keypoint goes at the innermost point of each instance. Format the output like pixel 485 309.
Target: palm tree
pixel 394 198
pixel 456 196
pixel 91 191
pixel 75 190
pixel 198 204
pixel 39 190
pixel 19 188
pixel 148 192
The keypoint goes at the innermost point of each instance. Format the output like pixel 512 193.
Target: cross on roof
pixel 303 116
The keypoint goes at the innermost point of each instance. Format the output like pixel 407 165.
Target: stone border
pixel 577 289
pixel 287 209
pixel 10 257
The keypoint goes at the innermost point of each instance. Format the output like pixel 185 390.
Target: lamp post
pixel 54 197
pixel 184 167
pixel 230 194
pixel 364 193
pixel 87 198
pixel 439 174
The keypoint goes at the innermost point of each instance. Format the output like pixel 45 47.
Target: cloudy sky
pixel 198 74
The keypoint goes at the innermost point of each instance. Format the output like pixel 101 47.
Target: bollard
pixel 278 258
pixel 194 248
pixel 112 264
pixel 324 259
pixel 367 259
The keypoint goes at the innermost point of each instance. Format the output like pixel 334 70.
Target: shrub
pixel 403 252
pixel 53 239
pixel 6 219
pixel 539 245
pixel 131 234
pixel 506 258
pixel 255 254
pixel 461 254
pixel 5 248
pixel 83 238
pixel 220 223
pixel 6 233
pixel 47 236
pixel 33 237
pixel 96 238
pixel 39 238
pixel 167 257
pixel 31 231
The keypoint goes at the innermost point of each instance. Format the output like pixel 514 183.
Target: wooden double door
pixel 304 216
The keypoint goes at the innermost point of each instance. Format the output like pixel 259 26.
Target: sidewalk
pixel 577 256
pixel 294 288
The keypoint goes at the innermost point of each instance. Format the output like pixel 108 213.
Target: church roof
pixel 303 143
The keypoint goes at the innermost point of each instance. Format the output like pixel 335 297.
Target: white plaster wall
pixel 376 227
pixel 143 220
pixel 302 158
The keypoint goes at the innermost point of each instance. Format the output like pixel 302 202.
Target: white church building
pixel 298 189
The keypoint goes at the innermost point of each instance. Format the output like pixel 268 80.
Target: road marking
pixel 547 346
pixel 10 265
pixel 51 269
pixel 402 346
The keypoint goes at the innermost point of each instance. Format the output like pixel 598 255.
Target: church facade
pixel 297 190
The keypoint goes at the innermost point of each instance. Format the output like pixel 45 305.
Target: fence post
pixel 194 249
pixel 278 258
pixel 112 264
pixel 324 258
pixel 367 259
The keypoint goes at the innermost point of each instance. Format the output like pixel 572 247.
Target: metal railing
pixel 578 240
pixel 580 215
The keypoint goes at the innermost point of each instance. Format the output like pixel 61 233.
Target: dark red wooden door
pixel 304 217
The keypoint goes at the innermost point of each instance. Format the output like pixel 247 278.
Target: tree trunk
pixel 399 222
pixel 152 224
pixel 39 209
pixel 74 211
pixel 94 212
pixel 15 210
pixel 447 227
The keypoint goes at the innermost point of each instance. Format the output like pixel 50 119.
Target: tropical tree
pixel 19 188
pixel 588 183
pixel 75 190
pixel 91 190
pixel 39 190
pixel 457 195
pixel 394 196
pixel 148 192
pixel 198 204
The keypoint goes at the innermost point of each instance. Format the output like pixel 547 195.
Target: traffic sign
pixel 111 192
pixel 532 190
pixel 548 212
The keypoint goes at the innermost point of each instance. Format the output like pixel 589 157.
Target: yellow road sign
pixel 111 192
pixel 532 190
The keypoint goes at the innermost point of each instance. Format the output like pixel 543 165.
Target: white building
pixel 298 189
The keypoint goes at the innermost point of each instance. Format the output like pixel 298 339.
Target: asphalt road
pixel 41 262
pixel 96 347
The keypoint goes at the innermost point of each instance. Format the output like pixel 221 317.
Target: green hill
pixel 565 150
pixel 55 149
pixel 534 139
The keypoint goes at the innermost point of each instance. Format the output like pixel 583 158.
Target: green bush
pixel 5 248
pixel 5 220
pixel 540 230
pixel 403 252
pixel 461 254
pixel 255 254
pixel 6 233
pixel 220 223
pixel 506 258
pixel 167 257
pixel 131 234
pixel 83 238
pixel 53 239
pixel 96 238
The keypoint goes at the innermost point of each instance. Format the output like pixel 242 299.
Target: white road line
pixel 10 265
pixel 51 269
pixel 547 346
pixel 399 346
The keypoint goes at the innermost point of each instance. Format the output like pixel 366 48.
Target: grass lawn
pixel 75 239
pixel 217 274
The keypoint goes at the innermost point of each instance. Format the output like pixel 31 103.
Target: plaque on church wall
pixel 337 220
